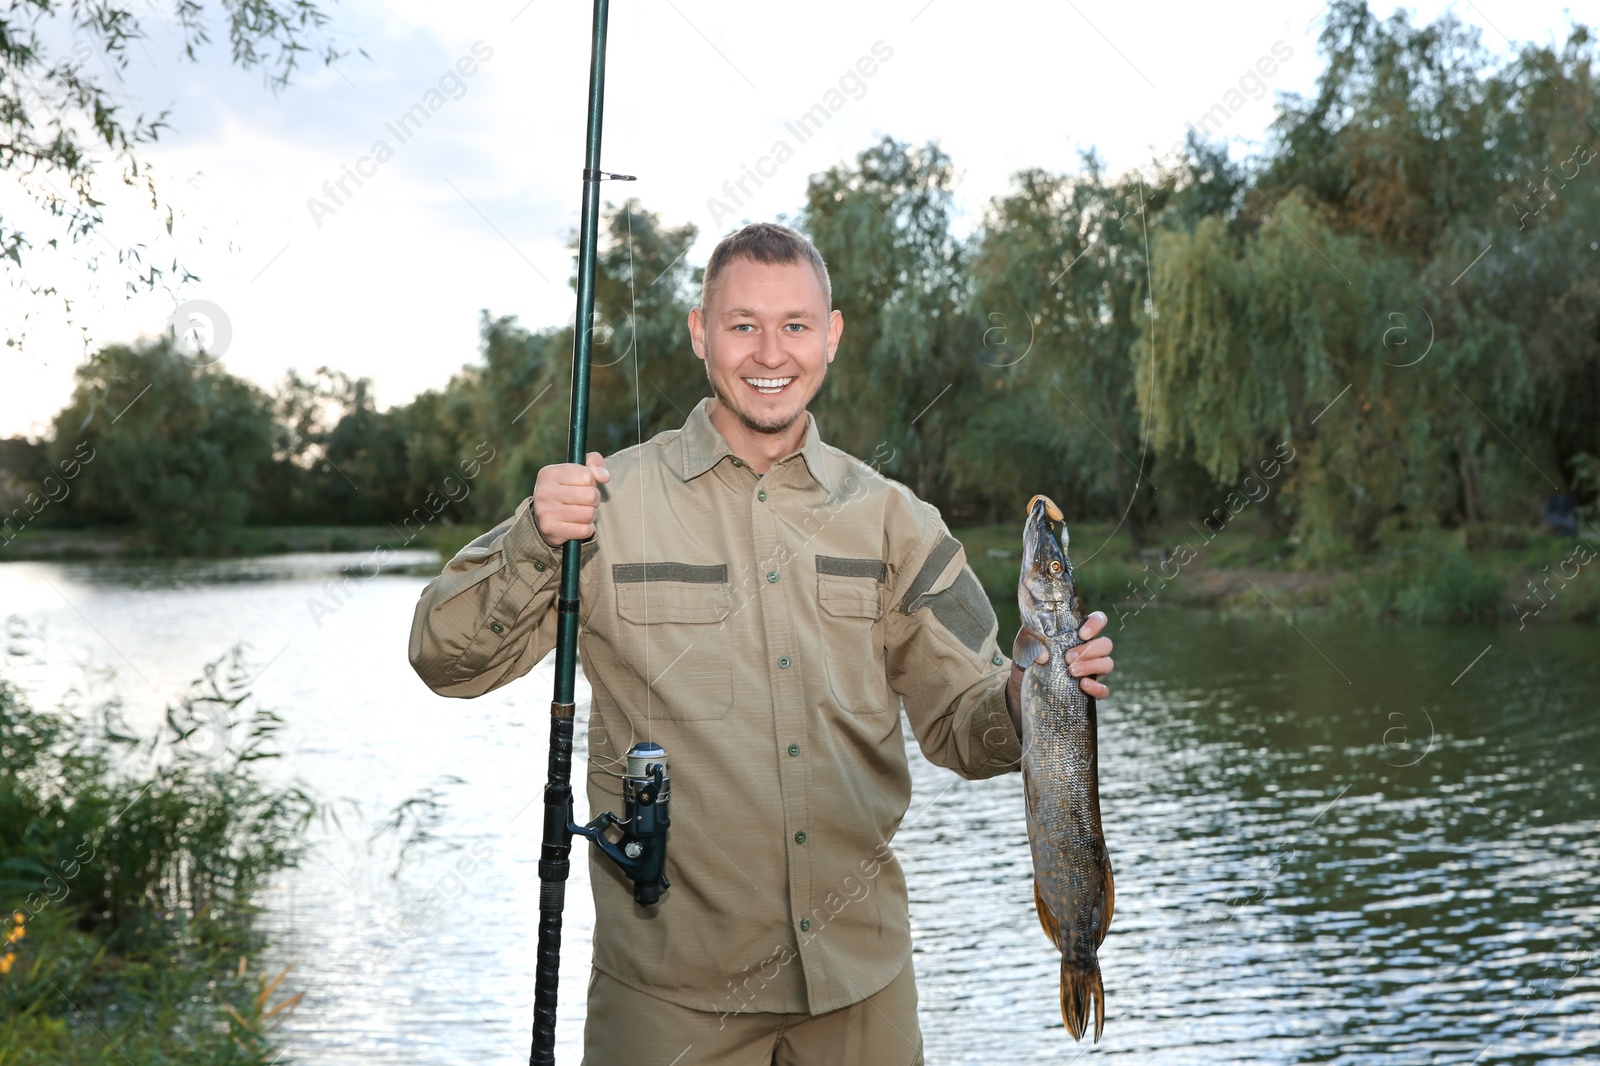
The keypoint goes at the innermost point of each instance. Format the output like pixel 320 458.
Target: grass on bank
pixel 1463 575
pixel 129 871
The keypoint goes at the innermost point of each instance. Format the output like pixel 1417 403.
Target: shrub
pixel 129 869
pixel 1450 589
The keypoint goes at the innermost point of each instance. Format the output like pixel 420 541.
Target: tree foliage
pixel 1399 292
pixel 901 386
pixel 175 447
pixel 63 123
pixel 1061 277
pixel 1406 290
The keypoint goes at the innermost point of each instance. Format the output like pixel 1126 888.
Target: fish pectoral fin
pixel 1108 897
pixel 1046 919
pixel 1080 993
pixel 1027 648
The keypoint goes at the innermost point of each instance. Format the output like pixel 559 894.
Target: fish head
pixel 1045 591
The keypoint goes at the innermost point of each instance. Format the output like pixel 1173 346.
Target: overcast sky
pixel 472 208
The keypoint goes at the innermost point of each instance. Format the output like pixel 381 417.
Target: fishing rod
pixel 641 849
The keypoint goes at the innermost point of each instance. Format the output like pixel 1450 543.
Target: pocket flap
pixel 849 597
pixel 646 602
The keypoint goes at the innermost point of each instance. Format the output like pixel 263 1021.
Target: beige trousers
pixel 626 1027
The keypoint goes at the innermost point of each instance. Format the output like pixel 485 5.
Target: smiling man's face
pixel 767 338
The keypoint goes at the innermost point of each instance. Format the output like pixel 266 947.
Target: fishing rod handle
pixel 554 867
pixel 549 967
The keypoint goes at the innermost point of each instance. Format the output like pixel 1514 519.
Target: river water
pixel 1332 842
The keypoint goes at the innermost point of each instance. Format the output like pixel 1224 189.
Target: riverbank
pixel 77 545
pixel 1464 575
pixel 1470 574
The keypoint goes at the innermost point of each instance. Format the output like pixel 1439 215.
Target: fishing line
pixel 639 437
pixel 1144 448
pixel 638 434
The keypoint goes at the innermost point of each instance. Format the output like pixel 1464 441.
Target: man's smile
pixel 769 386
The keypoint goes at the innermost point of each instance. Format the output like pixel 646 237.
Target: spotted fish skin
pixel 1060 771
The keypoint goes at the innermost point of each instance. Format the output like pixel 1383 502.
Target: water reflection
pixel 1331 844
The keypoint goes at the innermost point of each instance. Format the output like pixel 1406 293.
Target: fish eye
pixel 1055 566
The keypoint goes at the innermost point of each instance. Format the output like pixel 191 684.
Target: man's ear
pixel 697 333
pixel 835 331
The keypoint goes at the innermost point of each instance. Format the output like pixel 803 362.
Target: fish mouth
pixel 1044 558
pixel 1050 507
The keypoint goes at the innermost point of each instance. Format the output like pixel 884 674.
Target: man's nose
pixel 770 352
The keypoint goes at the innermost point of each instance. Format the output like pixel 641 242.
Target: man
pixel 760 604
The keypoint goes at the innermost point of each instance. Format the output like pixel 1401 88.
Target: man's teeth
pixel 769 385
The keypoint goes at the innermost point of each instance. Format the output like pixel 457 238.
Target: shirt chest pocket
pixel 850 601
pixel 674 636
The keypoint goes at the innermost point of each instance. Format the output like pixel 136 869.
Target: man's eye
pixel 744 325
pixel 795 326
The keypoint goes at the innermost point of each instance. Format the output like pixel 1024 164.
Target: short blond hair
pixel 764 242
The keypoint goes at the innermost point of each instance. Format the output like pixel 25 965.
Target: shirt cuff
pixel 534 561
pixel 996 748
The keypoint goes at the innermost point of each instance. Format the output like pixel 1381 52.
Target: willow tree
pixel 903 385
pixel 1351 304
pixel 1060 281
pixel 1255 340
pixel 66 129
pixel 1543 277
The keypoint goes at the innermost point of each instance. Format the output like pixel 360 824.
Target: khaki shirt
pixel 765 631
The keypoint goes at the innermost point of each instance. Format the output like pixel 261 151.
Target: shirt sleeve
pixel 487 618
pixel 943 659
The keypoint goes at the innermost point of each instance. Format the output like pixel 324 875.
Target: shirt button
pixel 800 837
pixel 998 660
pixel 738 462
pixel 762 495
pixel 772 577
pixel 538 564
pixel 794 749
pixel 805 925
pixel 783 662
pixel 497 627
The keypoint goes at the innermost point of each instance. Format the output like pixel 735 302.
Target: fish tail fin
pixel 1080 991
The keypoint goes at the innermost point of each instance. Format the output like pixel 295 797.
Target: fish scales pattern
pixel 1072 872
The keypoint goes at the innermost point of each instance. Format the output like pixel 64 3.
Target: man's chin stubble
pixel 768 428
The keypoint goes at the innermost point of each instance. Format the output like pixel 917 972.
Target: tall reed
pixel 129 872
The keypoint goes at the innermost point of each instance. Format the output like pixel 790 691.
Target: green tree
pixel 1060 282
pixel 302 484
pixel 442 431
pixel 905 380
pixel 23 468
pixel 644 377
pixel 1341 304
pixel 176 447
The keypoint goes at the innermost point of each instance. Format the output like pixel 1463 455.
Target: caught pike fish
pixel 1071 867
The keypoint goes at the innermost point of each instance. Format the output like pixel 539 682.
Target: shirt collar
pixel 704 447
